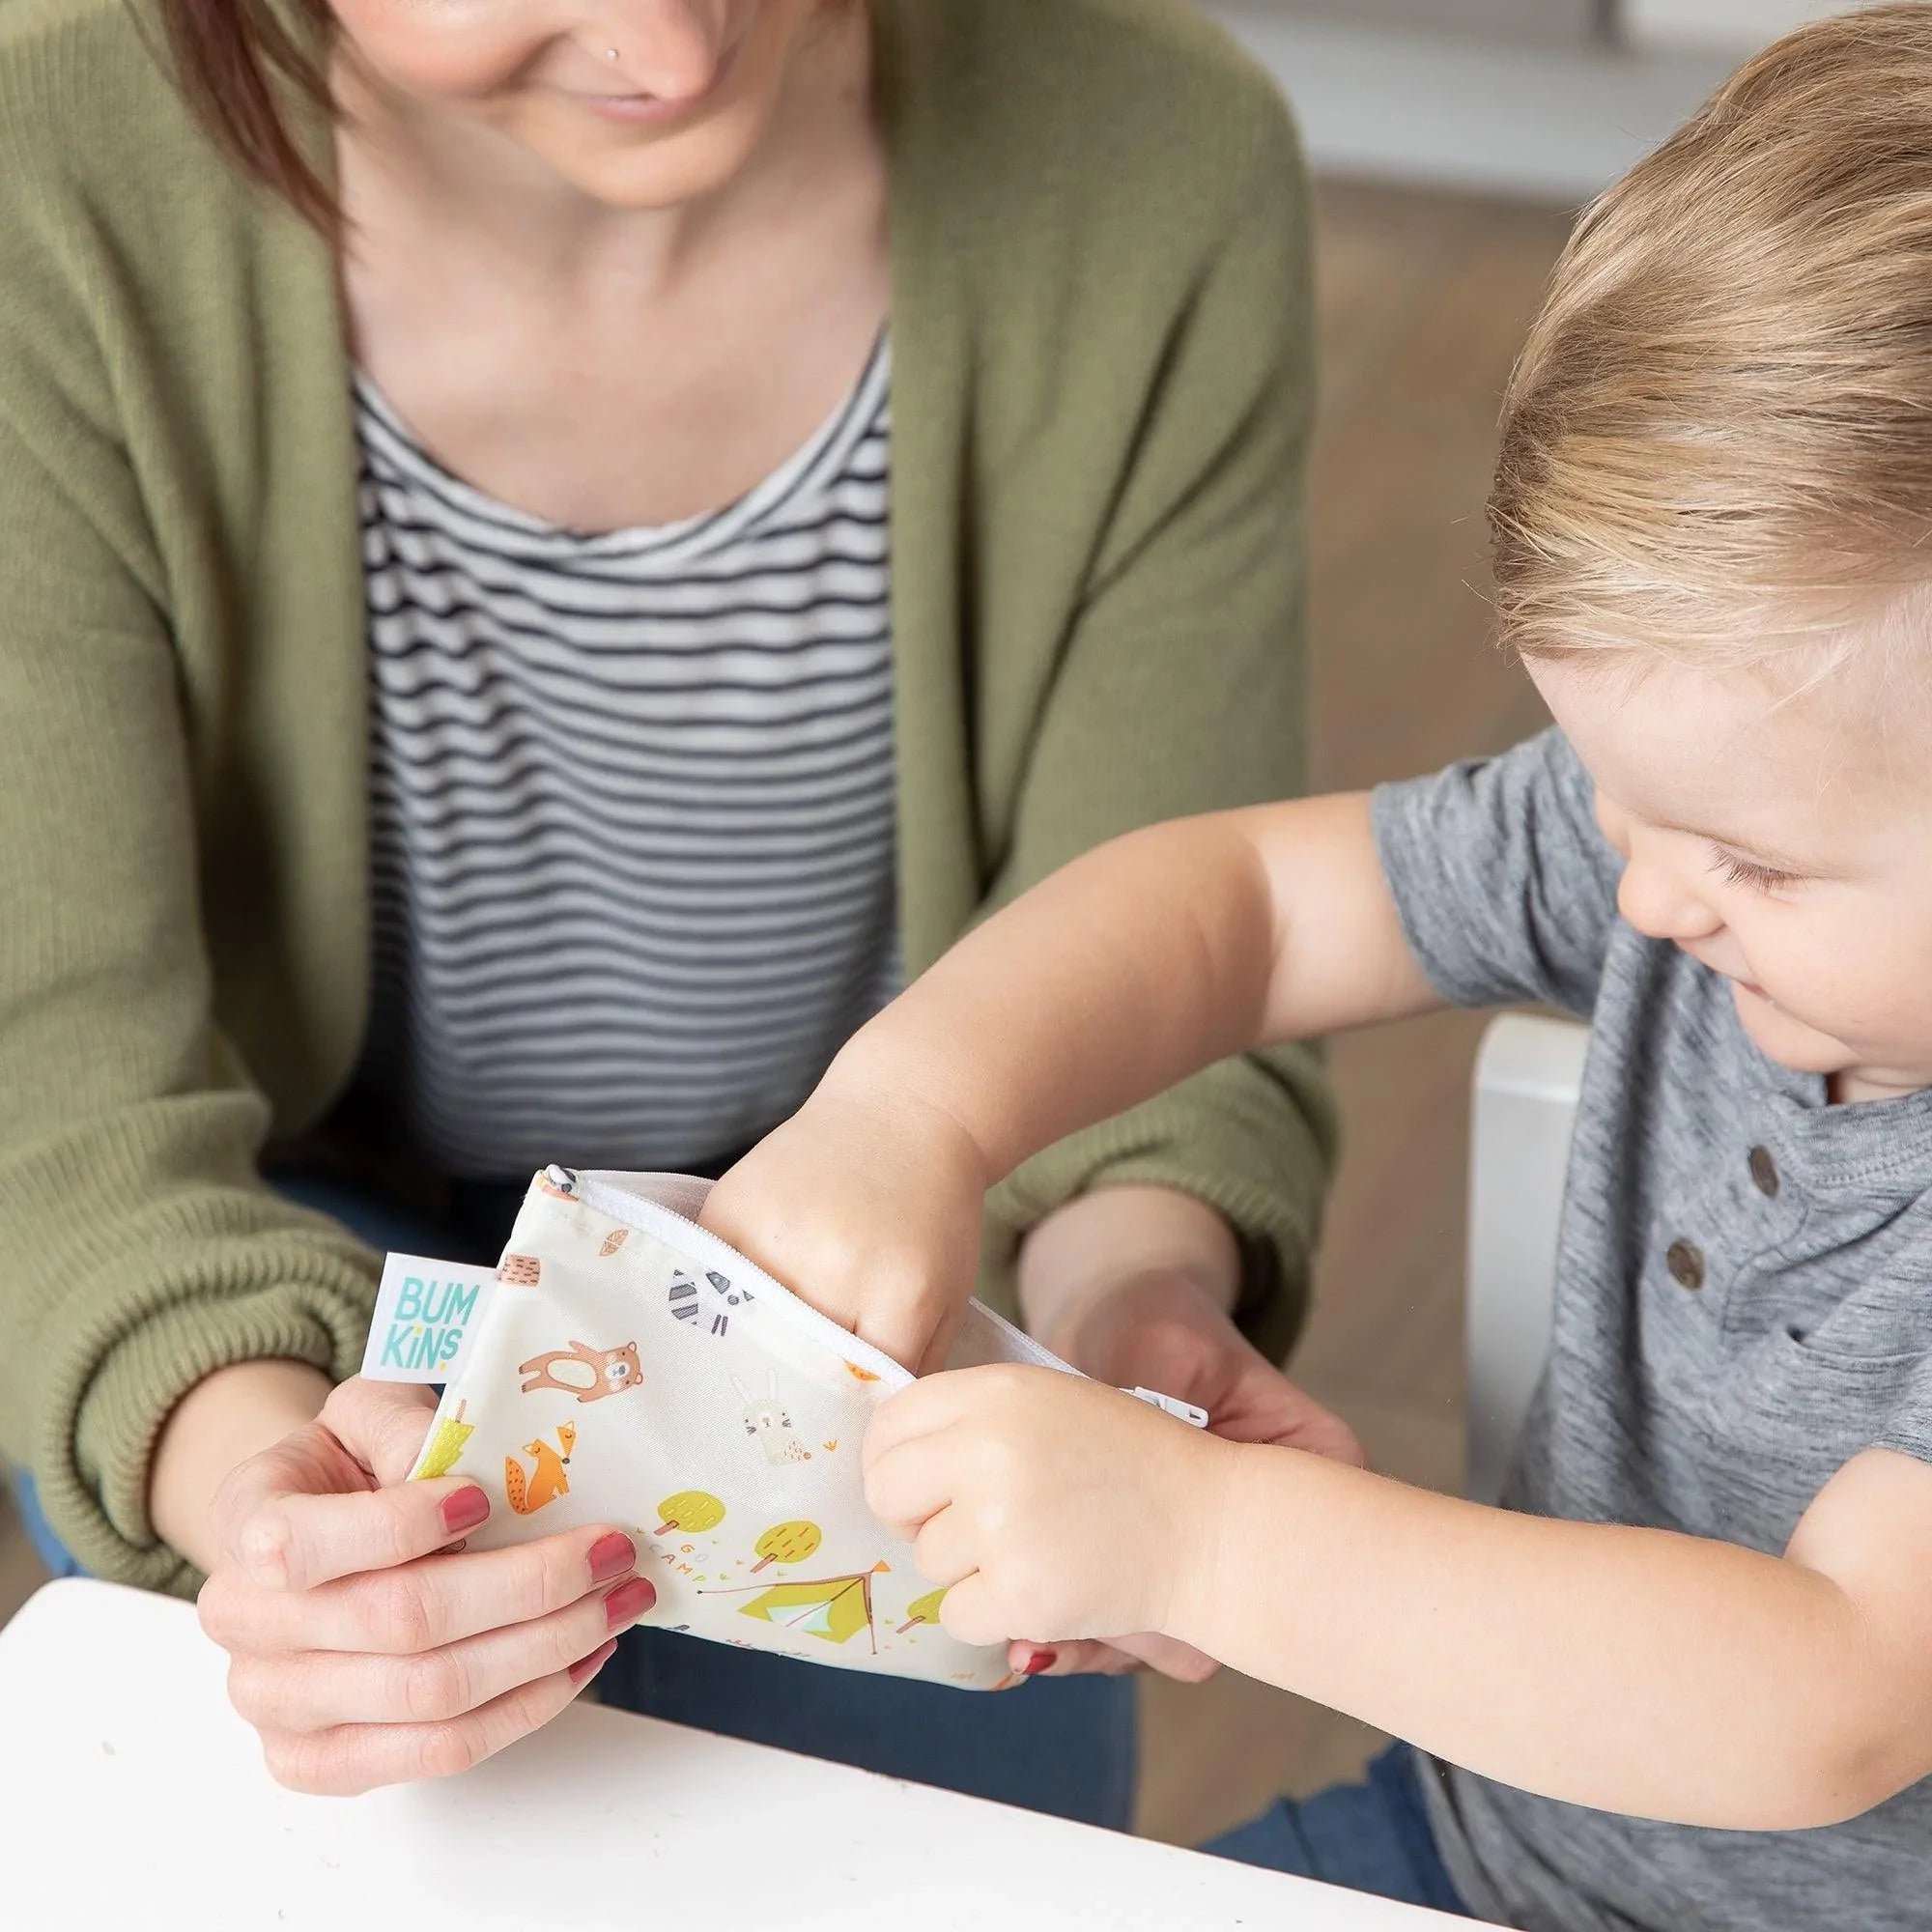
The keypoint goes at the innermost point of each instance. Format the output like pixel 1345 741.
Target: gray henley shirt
pixel 1743 1304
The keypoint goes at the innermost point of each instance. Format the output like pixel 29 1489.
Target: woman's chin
pixel 633 169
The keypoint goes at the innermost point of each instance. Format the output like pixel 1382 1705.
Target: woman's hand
pixel 1043 1503
pixel 362 1650
pixel 867 1204
pixel 1164 1333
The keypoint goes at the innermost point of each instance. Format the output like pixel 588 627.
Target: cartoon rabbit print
pixel 768 1423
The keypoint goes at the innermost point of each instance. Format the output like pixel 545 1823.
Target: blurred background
pixel 1453 140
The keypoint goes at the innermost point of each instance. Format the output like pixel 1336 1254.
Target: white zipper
pixel 676 1231
pixel 604 1193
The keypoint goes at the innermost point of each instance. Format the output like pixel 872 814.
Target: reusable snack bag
pixel 629 1367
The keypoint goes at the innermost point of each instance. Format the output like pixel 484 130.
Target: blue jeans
pixel 1066 1746
pixel 1372 1837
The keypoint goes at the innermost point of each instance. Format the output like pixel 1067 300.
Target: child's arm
pixel 1150 959
pixel 1142 963
pixel 1631 1670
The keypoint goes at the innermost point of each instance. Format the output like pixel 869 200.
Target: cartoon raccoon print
pixel 689 1303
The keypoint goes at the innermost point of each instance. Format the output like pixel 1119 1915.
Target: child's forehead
pixel 1761 753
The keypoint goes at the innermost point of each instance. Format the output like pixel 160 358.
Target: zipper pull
pixel 1168 1405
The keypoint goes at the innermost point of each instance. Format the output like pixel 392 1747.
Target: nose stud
pixel 610 53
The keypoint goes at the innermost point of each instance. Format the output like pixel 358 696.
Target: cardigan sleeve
pixel 1179 691
pixel 139 1251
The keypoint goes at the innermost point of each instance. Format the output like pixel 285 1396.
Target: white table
pixel 132 1797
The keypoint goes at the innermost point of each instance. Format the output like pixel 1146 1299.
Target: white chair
pixel 1527 1076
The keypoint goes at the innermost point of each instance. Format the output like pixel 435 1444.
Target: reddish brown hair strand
pixel 238 61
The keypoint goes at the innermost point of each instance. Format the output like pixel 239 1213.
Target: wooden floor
pixel 1424 301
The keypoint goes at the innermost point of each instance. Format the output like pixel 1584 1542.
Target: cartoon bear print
pixel 588 1374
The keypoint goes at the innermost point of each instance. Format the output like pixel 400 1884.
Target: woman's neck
pixel 460 177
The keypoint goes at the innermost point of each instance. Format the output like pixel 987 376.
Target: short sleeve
pixel 1907 1423
pixel 1504 882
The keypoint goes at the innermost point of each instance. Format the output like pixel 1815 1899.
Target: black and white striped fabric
pixel 633 805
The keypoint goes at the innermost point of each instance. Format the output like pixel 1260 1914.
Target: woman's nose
pixel 1661 905
pixel 668 48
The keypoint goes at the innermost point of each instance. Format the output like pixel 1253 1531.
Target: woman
pixel 448 454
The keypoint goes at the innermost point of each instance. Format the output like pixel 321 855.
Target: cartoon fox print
pixel 769 1426
pixel 586 1373
pixel 547 1481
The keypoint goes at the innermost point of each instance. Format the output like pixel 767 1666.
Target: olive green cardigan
pixel 1102 374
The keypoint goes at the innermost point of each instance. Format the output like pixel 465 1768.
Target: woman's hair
pixel 238 62
pixel 1717 442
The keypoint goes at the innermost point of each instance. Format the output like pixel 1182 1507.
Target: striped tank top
pixel 633 827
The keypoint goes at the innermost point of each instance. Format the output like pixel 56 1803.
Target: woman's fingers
pixel 288 1538
pixel 1071 1660
pixel 421 1605
pixel 353 1758
pixel 321 1689
pixel 1167 1655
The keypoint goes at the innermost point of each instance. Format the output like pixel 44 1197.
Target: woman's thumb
pixel 382 1425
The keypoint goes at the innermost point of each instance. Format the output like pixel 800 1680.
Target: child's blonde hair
pixel 1718 439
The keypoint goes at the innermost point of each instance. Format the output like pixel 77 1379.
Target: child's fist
pixel 1047 1506
pixel 866 1204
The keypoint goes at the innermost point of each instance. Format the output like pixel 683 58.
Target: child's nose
pixel 1653 899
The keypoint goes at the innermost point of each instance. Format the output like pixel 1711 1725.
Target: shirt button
pixel 1764 1173
pixel 1686 1265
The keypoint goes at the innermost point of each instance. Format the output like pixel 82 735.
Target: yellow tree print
pixel 922 1611
pixel 445 1447
pixel 691 1512
pixel 788 1543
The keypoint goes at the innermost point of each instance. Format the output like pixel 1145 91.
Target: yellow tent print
pixel 836 1609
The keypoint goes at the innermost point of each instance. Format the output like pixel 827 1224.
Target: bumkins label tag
pixel 425 1313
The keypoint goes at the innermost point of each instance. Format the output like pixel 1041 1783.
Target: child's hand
pixel 1048 1507
pixel 869 1204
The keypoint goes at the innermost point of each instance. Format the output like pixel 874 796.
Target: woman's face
pixel 675 115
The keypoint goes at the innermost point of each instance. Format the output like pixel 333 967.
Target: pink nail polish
pixel 465 1509
pixel 628 1601
pixel 611 1556
pixel 1039 1661
pixel 587 1667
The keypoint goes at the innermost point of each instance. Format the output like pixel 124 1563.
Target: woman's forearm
pixel 1102 1244
pixel 1630 1670
pixel 223 1421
